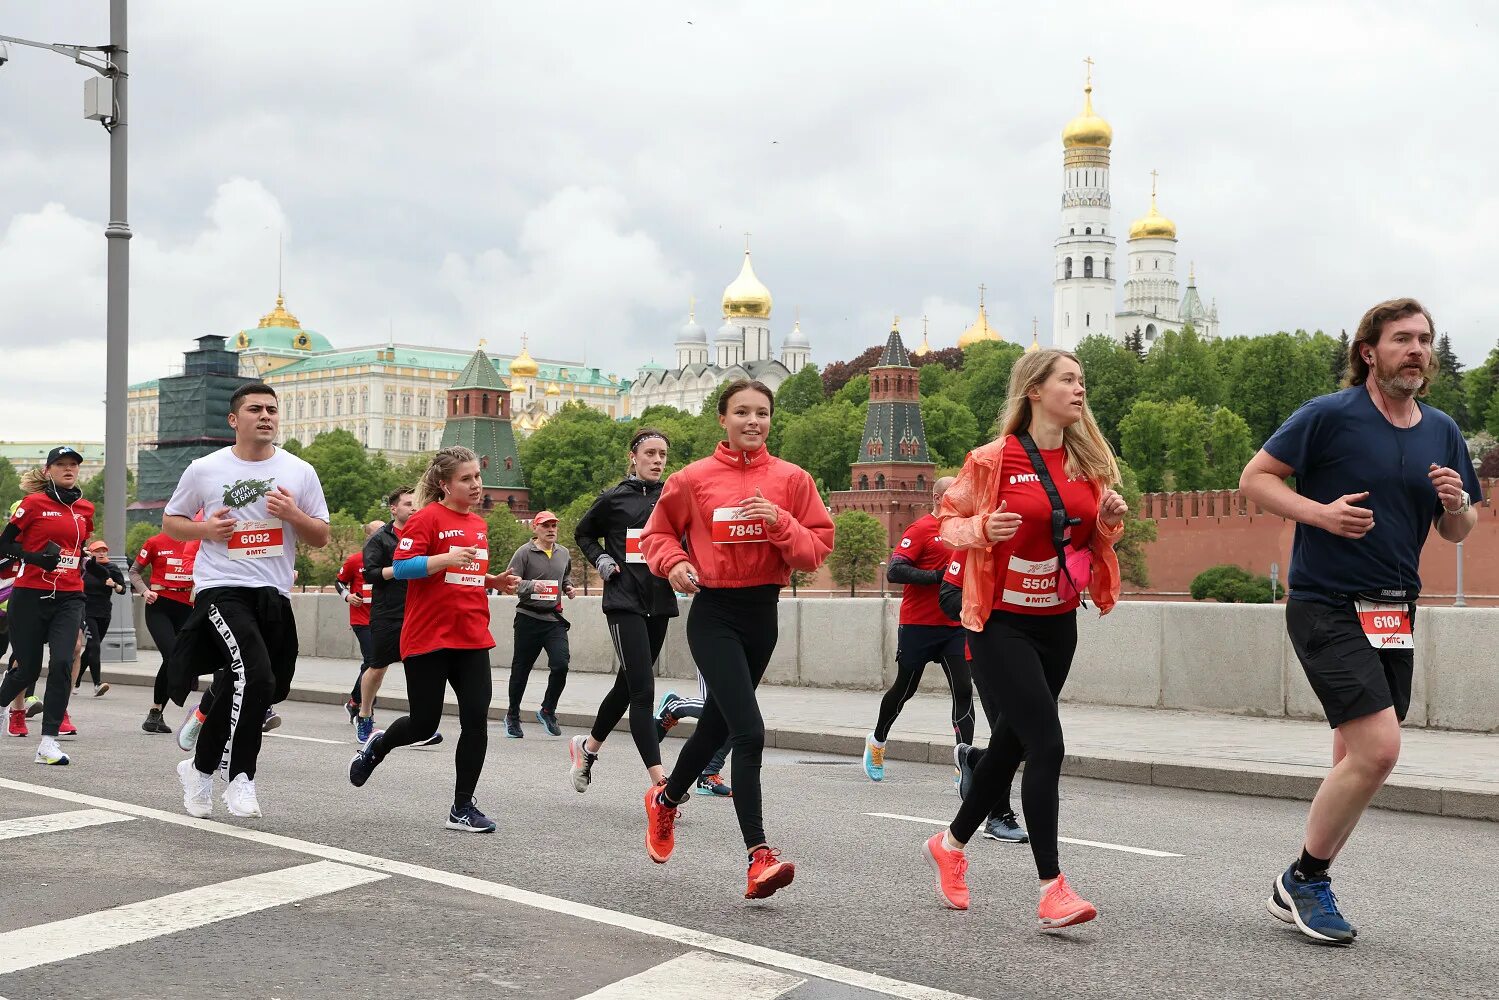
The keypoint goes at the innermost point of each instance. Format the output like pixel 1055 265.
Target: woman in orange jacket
pixel 748 519
pixel 1039 518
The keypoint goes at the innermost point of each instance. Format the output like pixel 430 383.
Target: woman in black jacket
pixel 102 579
pixel 637 605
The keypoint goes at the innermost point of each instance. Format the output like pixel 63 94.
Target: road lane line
pixel 814 968
pixel 311 739
pixel 131 923
pixel 53 822
pixel 686 977
pixel 1065 840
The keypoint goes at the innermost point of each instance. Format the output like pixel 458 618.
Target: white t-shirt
pixel 262 552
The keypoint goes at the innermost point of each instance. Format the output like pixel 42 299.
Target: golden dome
pixel 1087 129
pixel 980 330
pixel 746 296
pixel 1035 339
pixel 924 348
pixel 552 390
pixel 523 365
pixel 280 317
pixel 1153 225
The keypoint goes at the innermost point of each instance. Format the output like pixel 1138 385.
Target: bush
pixel 1233 585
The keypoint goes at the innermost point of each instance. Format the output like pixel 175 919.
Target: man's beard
pixel 1395 382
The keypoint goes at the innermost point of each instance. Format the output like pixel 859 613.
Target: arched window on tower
pixel 465 404
pixel 1068 268
pixel 863 482
pixel 920 482
pixel 1087 267
pixel 484 404
pixel 1088 231
pixel 879 481
pixel 1088 320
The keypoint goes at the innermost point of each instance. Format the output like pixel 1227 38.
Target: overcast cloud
pixel 578 171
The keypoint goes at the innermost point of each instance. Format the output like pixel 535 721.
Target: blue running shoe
pixel 364 728
pixel 548 722
pixel 513 730
pixel 272 721
pixel 874 759
pixel 1314 909
pixel 364 763
pixel 469 819
pixel 1281 911
pixel 1006 829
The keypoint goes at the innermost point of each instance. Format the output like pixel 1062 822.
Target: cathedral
pixel 1085 271
pixel 740 349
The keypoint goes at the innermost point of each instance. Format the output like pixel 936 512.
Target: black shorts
pixel 385 643
pixel 1352 679
pixel 918 645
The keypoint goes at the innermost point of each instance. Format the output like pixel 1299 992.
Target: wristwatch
pixel 1463 507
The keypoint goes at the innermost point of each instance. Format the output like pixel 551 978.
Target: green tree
pixel 1340 367
pixel 1447 387
pixel 1186 445
pixel 1478 387
pixel 1180 366
pixel 1112 372
pixel 1143 437
pixel 343 467
pixel 584 576
pixel 951 430
pixel 136 538
pixel 10 484
pixel 825 442
pixel 855 390
pixel 1229 584
pixel 934 378
pixel 1130 549
pixel 1272 376
pixel 345 537
pixel 575 453
pixel 800 392
pixel 1229 448
pixel 799 579
pixel 505 535
pixel 859 543
pixel 986 367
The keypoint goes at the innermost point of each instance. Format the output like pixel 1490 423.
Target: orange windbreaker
pixel 965 507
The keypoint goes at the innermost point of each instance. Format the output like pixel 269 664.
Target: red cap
pixel 544 517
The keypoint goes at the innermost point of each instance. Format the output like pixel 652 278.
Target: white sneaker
pixel 48 752
pixel 197 790
pixel 240 797
pixel 192 725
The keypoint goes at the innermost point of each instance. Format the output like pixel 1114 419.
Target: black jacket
pixel 388 600
pixel 617 509
pixel 96 589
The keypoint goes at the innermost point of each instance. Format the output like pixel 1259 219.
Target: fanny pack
pixel 1075 566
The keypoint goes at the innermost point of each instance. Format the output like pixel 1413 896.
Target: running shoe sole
pixel 33 709
pixel 1072 920
pixel 465 828
pixel 274 722
pixel 101 689
pixel 430 741
pixel 61 761
pixel 1280 911
pixel 937 872
pixel 242 813
pixel 1024 838
pixel 777 876
pixel 1320 938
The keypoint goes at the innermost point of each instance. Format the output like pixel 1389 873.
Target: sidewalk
pixel 1440 773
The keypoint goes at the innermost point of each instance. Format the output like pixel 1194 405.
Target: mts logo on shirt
pixel 1025 477
pixel 452 533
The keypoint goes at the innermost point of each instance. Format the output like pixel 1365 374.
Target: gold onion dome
pixel 280 317
pixel 552 390
pixel 1087 129
pixel 746 296
pixel 979 331
pixel 1153 225
pixel 523 365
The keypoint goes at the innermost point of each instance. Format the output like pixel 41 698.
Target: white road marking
pixel 688 976
pixel 311 739
pixel 1065 840
pixel 60 940
pixel 812 967
pixel 54 822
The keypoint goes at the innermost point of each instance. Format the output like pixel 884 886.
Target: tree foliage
pixel 825 442
pixel 800 392
pixel 859 543
pixel 951 430
pixel 987 366
pixel 1229 584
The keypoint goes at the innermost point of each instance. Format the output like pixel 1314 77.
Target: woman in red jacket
pixel 748 519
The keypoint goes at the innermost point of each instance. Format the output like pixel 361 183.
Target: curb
pixel 1277 781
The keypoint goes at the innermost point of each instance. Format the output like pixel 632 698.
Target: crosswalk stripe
pixel 53 822
pixel 686 977
pixel 131 923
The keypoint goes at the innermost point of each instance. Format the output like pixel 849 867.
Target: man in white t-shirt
pixel 259 501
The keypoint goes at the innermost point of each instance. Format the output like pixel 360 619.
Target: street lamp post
pixel 106 102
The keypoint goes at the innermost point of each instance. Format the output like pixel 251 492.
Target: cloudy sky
pixel 579 171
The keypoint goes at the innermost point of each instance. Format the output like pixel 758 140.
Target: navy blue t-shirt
pixel 1340 444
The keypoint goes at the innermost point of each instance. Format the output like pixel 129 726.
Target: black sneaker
pixel 155 723
pixel 364 763
pixel 1005 829
pixel 960 757
pixel 469 819
pixel 512 728
pixel 548 722
pixel 352 707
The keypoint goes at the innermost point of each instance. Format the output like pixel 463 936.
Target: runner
pixel 168 597
pixel 637 606
pixel 748 520
pixel 357 593
pixel 545 570
pixel 924 635
pixel 46 534
pixel 1036 513
pixel 102 580
pixel 260 501
pixel 1375 470
pixel 443 554
pixel 672 709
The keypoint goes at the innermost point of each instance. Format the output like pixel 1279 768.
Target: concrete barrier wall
pixel 1210 657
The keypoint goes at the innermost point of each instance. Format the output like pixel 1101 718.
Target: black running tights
pixel 1031 655
pixel 919 645
pixel 164 619
pixel 41 622
pixel 427 677
pixel 637 643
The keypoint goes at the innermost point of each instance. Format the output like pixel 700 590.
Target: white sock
pixel 1047 885
pixel 876 743
pixel 949 843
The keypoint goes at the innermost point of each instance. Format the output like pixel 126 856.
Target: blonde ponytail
pixel 443 467
pixel 34 480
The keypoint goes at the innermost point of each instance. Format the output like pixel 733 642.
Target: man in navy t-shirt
pixel 1375 470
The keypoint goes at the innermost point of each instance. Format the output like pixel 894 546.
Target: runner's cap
pixel 61 452
pixel 543 517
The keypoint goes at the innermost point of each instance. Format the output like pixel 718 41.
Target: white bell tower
pixel 1083 282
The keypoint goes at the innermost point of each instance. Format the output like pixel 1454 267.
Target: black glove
pixel 47 559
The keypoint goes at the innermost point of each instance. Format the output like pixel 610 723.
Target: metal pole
pixel 1461 602
pixel 120 642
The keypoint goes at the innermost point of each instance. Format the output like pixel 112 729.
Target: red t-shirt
pixel 921 547
pixel 447 610
pixel 1027 564
pixel 171 565
pixel 352 576
pixel 42 519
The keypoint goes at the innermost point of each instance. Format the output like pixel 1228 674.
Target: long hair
pixel 1371 328
pixel 739 385
pixel 1088 451
pixel 34 480
pixel 444 466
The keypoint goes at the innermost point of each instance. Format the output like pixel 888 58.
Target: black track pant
pixel 637 643
pixel 1031 656
pixel 732 634
pixel 918 645
pixel 362 634
pixel 93 640
pixel 428 676
pixel 985 681
pixel 692 708
pixel 41 620
pixel 259 653
pixel 532 635
pixel 164 619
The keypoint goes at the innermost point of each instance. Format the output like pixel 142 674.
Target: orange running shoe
pixel 951 867
pixel 660 824
pixel 1061 907
pixel 767 873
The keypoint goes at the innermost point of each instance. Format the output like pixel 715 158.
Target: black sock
pixel 1309 867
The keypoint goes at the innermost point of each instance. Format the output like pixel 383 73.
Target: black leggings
pixel 97 625
pixel 41 620
pixel 532 635
pixel 917 646
pixel 164 619
pixel 986 681
pixel 427 677
pixel 732 634
pixel 1031 656
pixel 637 643
pixel 366 648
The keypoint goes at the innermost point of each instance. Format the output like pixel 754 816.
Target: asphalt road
pixel 344 892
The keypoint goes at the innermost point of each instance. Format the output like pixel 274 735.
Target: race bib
pixel 366 593
pixel 1386 626
pixel 178 577
pixel 256 539
pixel 469 574
pixel 66 561
pixel 1031 584
pixel 731 527
pixel 546 590
pixel 632 546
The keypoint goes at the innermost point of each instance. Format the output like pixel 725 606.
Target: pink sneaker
pixel 951 867
pixel 1061 907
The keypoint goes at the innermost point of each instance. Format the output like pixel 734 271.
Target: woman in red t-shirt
pixel 1021 588
pixel 443 553
pixel 168 597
